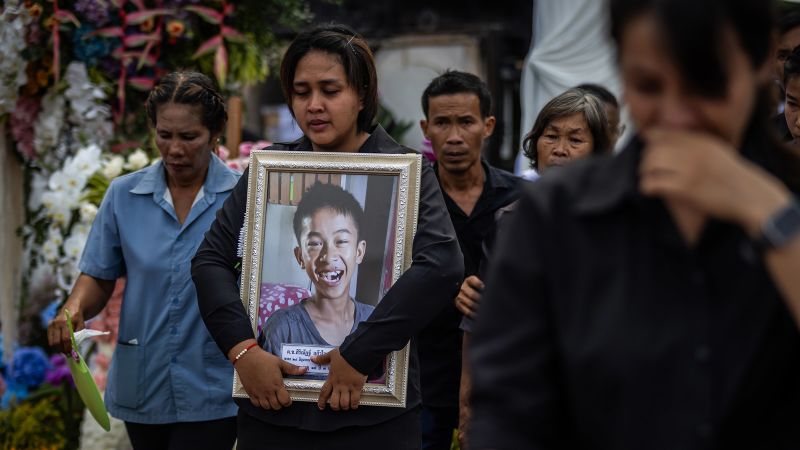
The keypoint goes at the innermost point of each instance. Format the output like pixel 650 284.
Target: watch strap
pixel 780 228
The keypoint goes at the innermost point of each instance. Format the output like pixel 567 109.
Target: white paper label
pixel 300 355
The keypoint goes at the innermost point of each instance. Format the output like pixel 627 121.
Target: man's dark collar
pixel 492 176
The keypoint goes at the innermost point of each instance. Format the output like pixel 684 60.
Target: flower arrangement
pixel 73 81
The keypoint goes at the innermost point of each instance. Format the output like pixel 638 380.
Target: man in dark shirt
pixel 457 121
pixel 788 40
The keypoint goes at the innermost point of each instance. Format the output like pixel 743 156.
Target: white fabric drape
pixel 571 45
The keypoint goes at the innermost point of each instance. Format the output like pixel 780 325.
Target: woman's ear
pixel 298 255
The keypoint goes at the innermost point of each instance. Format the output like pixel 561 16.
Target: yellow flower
pixel 175 28
pixel 147 25
pixel 35 10
pixel 42 78
pixel 50 23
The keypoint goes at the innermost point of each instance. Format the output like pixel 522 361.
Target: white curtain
pixel 571 45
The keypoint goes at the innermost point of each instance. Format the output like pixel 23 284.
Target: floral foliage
pixel 33 425
pixel 29 367
pixel 73 80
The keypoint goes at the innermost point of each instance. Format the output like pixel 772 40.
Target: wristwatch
pixel 780 228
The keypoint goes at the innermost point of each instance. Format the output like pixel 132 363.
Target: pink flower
pixel 246 147
pixel 223 152
pixel 427 150
pixel 235 165
pixel 22 119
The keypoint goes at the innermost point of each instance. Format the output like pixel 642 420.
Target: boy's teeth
pixel 330 276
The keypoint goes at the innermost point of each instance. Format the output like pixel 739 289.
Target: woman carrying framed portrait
pixel 329 81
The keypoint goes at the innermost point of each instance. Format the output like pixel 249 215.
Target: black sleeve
pixel 215 271
pixel 515 390
pixel 427 287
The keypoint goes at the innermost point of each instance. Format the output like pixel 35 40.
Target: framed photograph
pixel 326 236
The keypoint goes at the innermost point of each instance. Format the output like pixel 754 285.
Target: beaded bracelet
pixel 241 353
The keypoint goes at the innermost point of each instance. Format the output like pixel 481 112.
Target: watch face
pixel 783 226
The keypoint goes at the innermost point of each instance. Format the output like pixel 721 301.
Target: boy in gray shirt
pixel 326 225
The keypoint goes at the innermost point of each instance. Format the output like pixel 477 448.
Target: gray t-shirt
pixel 293 325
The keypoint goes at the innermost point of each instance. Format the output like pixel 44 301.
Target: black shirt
pixel 601 329
pixel 440 342
pixel 781 127
pixel 419 294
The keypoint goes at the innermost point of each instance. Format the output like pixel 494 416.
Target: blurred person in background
pixel 651 299
pixel 611 106
pixel 571 126
pixel 788 39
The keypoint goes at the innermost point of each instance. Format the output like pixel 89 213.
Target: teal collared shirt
pixel 166 368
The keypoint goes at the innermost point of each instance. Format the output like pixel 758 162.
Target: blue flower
pixel 29 367
pixel 15 393
pixel 90 49
pixel 49 313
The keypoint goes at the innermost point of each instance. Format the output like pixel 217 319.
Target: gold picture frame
pixel 387 188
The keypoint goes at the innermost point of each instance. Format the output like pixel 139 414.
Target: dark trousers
pixel 399 433
pixel 438 424
pixel 211 434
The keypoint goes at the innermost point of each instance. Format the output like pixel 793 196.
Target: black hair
pixel 791 68
pixel 322 196
pixel 694 32
pixel 788 18
pixel 600 92
pixel 355 56
pixel 189 88
pixel 456 82
pixel 572 101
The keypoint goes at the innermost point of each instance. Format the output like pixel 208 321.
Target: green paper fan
pixel 87 388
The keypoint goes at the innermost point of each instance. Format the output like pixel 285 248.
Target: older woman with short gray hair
pixel 570 126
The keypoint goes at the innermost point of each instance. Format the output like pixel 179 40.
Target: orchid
pixel 73 246
pixel 13 20
pixel 113 166
pixel 137 160
pixel 47 128
pixel 88 212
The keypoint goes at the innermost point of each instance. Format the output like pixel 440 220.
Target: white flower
pixel 54 235
pixel 87 160
pixel 137 160
pixel 59 205
pixel 66 274
pixel 38 187
pixel 47 129
pixel 88 212
pixel 113 167
pixel 81 228
pixel 73 245
pixel 42 275
pixel 89 113
pixel 50 251
pixel 13 20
